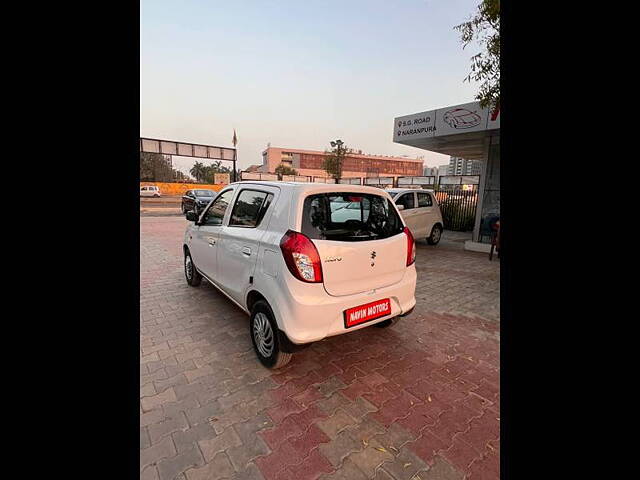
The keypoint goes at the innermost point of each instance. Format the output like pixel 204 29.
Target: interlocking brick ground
pixel 418 400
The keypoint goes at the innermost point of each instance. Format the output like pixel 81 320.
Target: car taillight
pixel 411 247
pixel 301 257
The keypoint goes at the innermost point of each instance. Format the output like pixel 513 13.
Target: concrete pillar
pixel 481 187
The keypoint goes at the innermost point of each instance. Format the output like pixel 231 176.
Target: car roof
pixel 395 191
pixel 304 187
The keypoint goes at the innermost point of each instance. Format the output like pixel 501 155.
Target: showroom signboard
pixel 467 117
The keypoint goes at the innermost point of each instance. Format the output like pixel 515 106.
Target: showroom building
pixel 466 131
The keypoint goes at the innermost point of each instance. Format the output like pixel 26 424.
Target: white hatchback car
pixel 421 212
pixel 150 191
pixel 284 253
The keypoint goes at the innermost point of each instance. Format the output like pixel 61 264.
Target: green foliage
pixel 334 159
pixel 484 27
pixel 204 174
pixel 283 169
pixel 155 167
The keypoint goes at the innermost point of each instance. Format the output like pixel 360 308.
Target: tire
pixel 385 324
pixel 436 235
pixel 264 336
pixel 190 272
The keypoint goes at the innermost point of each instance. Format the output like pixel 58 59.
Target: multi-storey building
pixel 356 164
pixel 461 166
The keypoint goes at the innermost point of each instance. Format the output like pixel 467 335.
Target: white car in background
pixel 420 211
pixel 289 256
pixel 150 191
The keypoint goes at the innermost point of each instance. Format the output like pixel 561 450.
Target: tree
pixel 334 160
pixel 215 167
pixel 155 167
pixel 485 65
pixel 283 169
pixel 198 171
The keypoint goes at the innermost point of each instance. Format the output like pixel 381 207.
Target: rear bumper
pixel 310 314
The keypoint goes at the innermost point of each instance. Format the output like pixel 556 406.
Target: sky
pixel 299 74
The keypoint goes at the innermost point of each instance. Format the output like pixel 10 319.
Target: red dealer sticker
pixel 365 313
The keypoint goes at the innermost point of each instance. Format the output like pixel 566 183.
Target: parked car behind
pixel 196 200
pixel 150 191
pixel 279 251
pixel 421 213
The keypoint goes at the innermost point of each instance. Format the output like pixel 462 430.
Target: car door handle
pixel 246 251
pixel 212 241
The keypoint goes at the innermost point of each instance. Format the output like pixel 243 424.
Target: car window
pixel 250 208
pixel 144 189
pixel 424 200
pixel 187 193
pixel 407 200
pixel 215 212
pixel 349 217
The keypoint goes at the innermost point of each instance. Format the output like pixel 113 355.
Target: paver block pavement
pixel 425 391
pixel 170 468
pixel 152 455
pixel 218 467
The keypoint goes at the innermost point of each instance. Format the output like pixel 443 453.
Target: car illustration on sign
pixel 461 118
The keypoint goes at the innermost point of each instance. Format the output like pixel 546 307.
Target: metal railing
pixel 416 182
pixel 324 180
pixel 351 181
pixel 457 195
pixel 296 178
pixel 258 176
pixel 458 205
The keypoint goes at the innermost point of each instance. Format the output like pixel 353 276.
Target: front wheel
pixel 264 335
pixel 192 275
pixel 436 235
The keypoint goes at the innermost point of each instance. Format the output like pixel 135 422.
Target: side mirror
pixel 400 207
pixel 191 216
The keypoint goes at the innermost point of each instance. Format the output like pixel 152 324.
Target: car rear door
pixel 204 239
pixel 241 235
pixel 410 213
pixel 427 211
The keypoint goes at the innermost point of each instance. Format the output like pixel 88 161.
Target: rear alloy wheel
pixel 436 235
pixel 264 335
pixel 190 272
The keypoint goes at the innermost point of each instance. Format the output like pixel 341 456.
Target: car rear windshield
pixel 349 217
pixel 203 193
